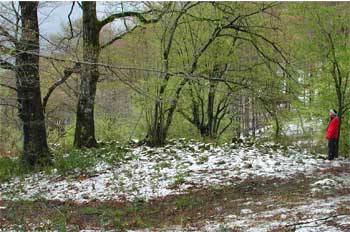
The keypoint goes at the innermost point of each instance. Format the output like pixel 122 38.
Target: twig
pixel 316 220
pixel 67 74
pixel 8 86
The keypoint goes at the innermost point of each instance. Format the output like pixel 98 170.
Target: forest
pixel 174 116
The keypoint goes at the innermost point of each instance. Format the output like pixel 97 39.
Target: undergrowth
pixel 68 162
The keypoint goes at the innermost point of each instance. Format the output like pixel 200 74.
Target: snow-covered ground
pixel 151 173
pixel 300 127
pixel 158 172
pixel 315 216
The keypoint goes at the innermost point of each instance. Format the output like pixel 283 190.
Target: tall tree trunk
pixel 245 115
pixel 210 110
pixel 340 122
pixel 35 148
pixel 239 119
pixel 156 132
pixel 253 122
pixel 85 126
pixel 278 127
pixel 340 116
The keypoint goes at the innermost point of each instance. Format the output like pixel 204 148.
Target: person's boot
pixel 330 156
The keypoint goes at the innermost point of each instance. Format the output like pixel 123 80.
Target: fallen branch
pixel 316 220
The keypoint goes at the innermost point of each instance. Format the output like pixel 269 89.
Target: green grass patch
pixel 10 167
pixel 83 159
pixel 90 210
pixel 70 162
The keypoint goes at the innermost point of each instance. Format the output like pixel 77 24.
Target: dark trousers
pixel 332 149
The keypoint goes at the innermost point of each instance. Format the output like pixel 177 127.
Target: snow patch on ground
pixel 173 169
pixel 299 127
pixel 302 217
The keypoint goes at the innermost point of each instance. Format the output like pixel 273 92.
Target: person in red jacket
pixel 332 134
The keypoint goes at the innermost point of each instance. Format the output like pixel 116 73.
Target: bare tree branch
pixel 139 15
pixel 225 127
pixel 138 90
pixel 5 33
pixel 118 37
pixel 67 74
pixel 9 105
pixel 8 86
pixel 6 65
pixel 186 116
pixel 70 21
pixel 18 18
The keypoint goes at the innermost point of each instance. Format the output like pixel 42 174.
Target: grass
pixel 67 163
pixel 10 167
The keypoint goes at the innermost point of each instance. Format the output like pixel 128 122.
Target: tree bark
pixel 85 126
pixel 35 148
pixel 210 111
pixel 254 117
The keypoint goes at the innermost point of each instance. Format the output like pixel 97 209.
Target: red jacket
pixel 332 129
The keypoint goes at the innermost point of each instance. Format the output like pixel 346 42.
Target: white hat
pixel 333 111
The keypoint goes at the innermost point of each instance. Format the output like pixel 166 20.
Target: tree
pixel 336 42
pixel 210 103
pixel 85 126
pixel 326 55
pixel 92 26
pixel 227 24
pixel 26 68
